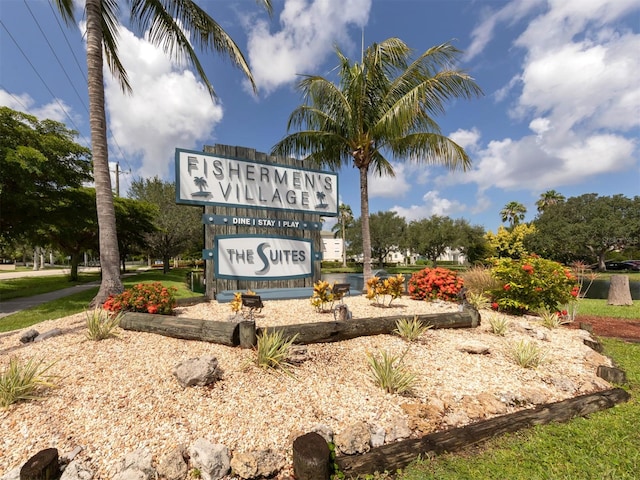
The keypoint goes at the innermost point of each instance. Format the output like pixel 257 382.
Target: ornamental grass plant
pixel 389 373
pixel 272 350
pixel 527 354
pixel 499 325
pixel 21 381
pixel 411 329
pixel 101 324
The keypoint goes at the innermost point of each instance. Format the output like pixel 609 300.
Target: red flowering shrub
pixel 435 284
pixel 145 298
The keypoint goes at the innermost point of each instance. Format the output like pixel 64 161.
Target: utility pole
pixel 118 173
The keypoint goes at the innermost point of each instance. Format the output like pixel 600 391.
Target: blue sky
pixel 561 104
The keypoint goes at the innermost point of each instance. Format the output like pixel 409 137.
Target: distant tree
pixel 134 222
pixel 588 226
pixel 550 197
pixel 510 243
pixel 388 232
pixel 384 105
pixel 345 221
pixel 513 212
pixel 431 237
pixel 472 243
pixel 177 226
pixel 39 162
pixel 72 226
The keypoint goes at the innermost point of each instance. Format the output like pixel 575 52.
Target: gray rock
pixel 475 348
pixel 199 371
pixel 76 471
pixel 355 438
pixel 29 336
pixel 172 465
pixel 137 465
pixel 377 436
pixel 12 474
pixel 211 459
pixel 46 335
pixel 325 431
pixel 397 429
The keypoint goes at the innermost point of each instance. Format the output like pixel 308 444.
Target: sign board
pixel 207 179
pixel 260 222
pixel 262 257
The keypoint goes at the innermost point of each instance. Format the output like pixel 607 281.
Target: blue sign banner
pixel 259 222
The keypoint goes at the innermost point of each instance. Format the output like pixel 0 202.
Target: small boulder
pixel 355 438
pixel 172 465
pixel 29 336
pixel 199 371
pixel 211 459
pixel 47 335
pixel 76 471
pixel 474 348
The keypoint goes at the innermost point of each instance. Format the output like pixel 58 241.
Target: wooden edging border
pixel 397 455
pixel 229 333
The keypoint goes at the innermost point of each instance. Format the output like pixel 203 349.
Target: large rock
pixel 199 371
pixel 172 465
pixel 355 438
pixel 212 460
pixel 137 465
pixel 260 464
pixel 76 471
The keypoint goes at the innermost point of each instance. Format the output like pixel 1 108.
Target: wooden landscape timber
pixel 396 455
pixel 229 333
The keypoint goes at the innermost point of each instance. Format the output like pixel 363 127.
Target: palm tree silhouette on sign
pixel 321 196
pixel 201 183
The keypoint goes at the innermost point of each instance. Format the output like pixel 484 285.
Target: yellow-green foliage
pixel 323 296
pixel 378 290
pixel 411 330
pixel 390 374
pixel 23 381
pixel 499 324
pixel 510 243
pixel 527 354
pixel 236 303
pixel 272 350
pixel 101 324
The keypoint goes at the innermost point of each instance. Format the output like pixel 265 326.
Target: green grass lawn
pixel 79 302
pixel 29 286
pixel 599 308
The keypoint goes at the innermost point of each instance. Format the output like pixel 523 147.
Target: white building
pixel 331 247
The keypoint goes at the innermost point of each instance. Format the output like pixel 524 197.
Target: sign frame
pixel 296 179
pixel 215 255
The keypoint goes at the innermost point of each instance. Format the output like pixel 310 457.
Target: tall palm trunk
pixel 344 246
pixel 364 219
pixel 108 241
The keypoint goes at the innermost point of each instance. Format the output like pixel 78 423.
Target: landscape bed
pixel 118 395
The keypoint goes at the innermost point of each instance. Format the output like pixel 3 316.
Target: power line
pixel 43 82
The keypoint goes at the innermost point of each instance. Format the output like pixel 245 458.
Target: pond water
pixel 599 289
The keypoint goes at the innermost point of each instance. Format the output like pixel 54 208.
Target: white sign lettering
pixel 262 257
pixel 205 179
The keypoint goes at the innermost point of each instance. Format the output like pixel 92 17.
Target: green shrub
pixel 478 280
pixel 412 329
pixel 101 324
pixel 272 350
pixel 532 283
pixel 390 374
pixel 435 284
pixel 378 290
pixel 478 300
pixel 143 297
pixel 498 325
pixel 23 381
pixel 527 354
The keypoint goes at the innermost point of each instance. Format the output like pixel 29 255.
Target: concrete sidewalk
pixel 15 305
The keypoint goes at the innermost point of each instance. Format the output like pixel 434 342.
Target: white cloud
pixel 309 30
pixel 57 109
pixel 390 187
pixel 467 139
pixel 433 204
pixel 169 107
pixel 579 94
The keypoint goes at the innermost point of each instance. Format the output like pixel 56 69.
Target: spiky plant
pixel 411 329
pixel 390 374
pixel 101 324
pixel 527 354
pixel 498 325
pixel 272 350
pixel 23 381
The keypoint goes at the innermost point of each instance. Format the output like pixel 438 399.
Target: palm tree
pixel 513 212
pixel 166 23
pixel 383 105
pixel 345 219
pixel 550 197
